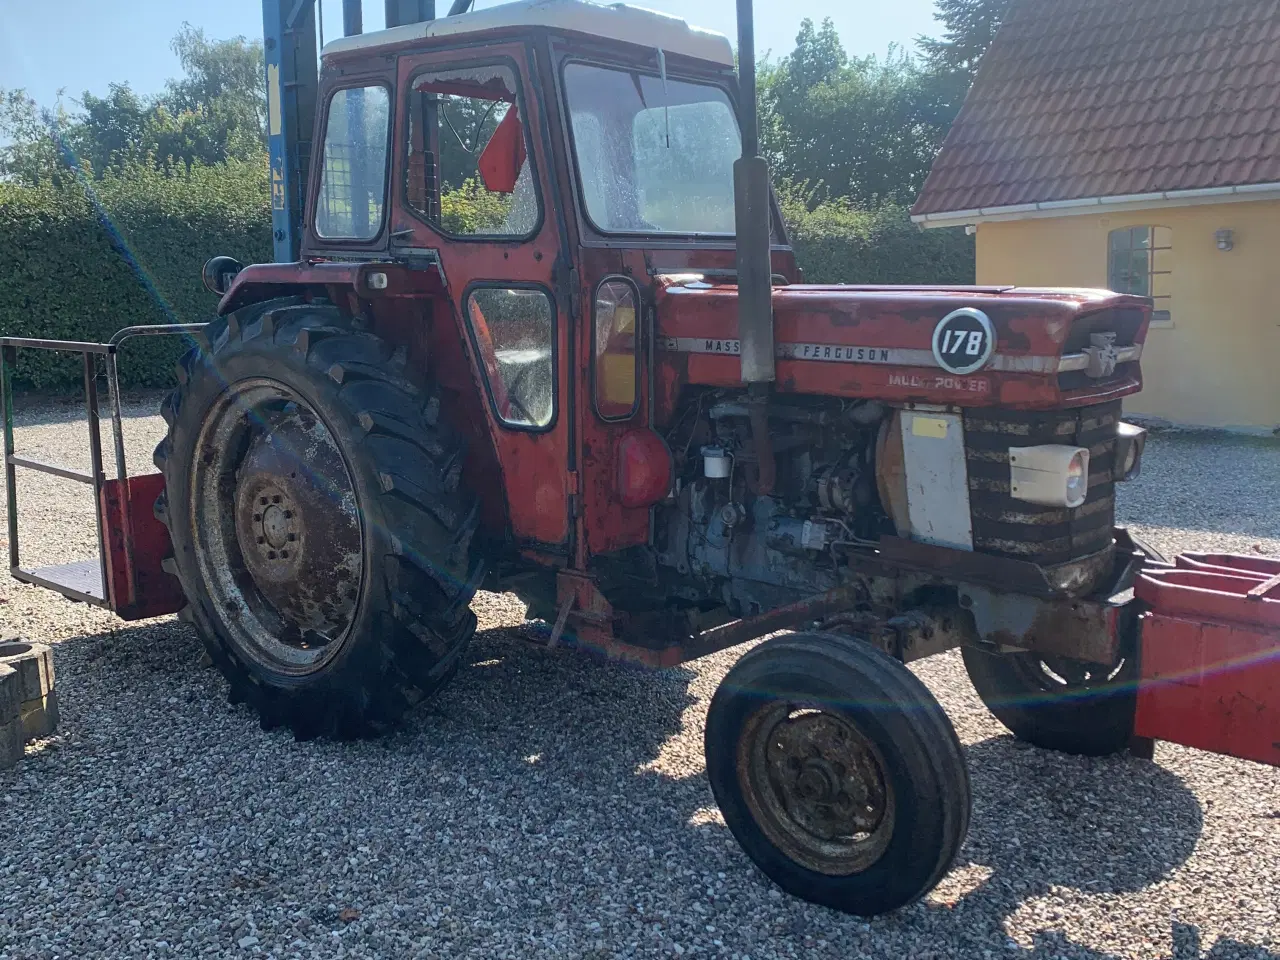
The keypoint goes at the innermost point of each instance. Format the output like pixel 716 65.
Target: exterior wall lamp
pixel 1226 239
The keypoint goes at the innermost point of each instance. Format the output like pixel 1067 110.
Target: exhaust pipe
pixel 401 12
pixel 352 17
pixel 752 220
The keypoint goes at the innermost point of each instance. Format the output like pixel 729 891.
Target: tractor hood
pixel 960 346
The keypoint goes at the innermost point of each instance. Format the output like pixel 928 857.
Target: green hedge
pixel 78 261
pixel 838 243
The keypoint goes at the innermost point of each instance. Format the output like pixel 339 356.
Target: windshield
pixel 653 157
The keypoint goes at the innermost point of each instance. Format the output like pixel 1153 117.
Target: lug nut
pixel 262 540
pixel 293 537
pixel 271 554
pixel 288 514
pixel 276 498
pixel 257 518
pixel 262 500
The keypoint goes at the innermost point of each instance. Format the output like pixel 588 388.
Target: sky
pixel 96 42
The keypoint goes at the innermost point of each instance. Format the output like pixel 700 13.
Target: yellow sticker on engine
pixel 935 428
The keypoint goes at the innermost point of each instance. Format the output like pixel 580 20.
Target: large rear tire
pixel 312 499
pixel 1056 703
pixel 838 772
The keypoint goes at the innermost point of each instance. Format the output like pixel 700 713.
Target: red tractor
pixel 547 336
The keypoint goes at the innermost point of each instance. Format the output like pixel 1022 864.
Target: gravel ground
pixel 547 805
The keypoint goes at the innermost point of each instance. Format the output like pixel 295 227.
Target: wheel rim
pixel 275 519
pixel 816 786
pixel 1064 675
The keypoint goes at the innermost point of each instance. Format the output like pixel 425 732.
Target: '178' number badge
pixel 963 341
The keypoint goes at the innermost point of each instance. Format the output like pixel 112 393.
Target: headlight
pixel 1050 475
pixel 1131 443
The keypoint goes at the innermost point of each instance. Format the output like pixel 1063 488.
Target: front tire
pixel 311 497
pixel 1056 703
pixel 837 772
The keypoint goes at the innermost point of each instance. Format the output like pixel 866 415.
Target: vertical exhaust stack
pixel 401 12
pixel 752 221
pixel 352 17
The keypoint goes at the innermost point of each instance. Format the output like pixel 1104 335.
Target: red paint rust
pixel 1210 664
pixel 1029 322
pixel 158 593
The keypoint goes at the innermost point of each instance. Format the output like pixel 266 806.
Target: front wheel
pixel 838 772
pixel 1057 703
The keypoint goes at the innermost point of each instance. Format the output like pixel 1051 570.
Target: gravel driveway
pixel 548 805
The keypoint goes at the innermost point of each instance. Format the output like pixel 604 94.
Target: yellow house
pixel 1135 145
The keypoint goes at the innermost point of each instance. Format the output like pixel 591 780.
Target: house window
pixel 1141 263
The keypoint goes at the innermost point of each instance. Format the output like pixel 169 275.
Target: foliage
pixel 81 259
pixel 472 209
pixel 867 129
pixel 836 242
pixel 971 26
pixel 215 111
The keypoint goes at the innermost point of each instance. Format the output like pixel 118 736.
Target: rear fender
pixel 339 282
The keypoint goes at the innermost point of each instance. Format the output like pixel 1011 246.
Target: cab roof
pixel 615 21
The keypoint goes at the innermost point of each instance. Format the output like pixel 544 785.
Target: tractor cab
pixel 546 161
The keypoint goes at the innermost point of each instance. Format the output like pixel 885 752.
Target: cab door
pixel 625 465
pixel 474 177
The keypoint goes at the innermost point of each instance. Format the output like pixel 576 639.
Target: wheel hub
pixel 817 788
pixel 271 521
pixel 276 528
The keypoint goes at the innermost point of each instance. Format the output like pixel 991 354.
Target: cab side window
pixel 353 178
pixel 468 154
pixel 513 329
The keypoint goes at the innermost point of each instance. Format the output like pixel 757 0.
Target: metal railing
pixel 76 580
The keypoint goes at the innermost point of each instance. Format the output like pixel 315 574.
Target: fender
pixel 336 280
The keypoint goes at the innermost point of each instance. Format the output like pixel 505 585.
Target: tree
pixel 37 148
pixel 867 129
pixel 112 128
pixel 222 89
pixel 971 26
pixel 214 112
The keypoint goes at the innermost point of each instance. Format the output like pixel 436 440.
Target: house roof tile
pixel 1093 98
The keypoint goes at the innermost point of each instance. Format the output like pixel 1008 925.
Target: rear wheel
pixel 1057 703
pixel 838 772
pixel 311 496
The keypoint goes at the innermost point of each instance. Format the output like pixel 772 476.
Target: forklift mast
pixel 289 31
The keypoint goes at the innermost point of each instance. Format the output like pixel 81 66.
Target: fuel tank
pixel 1010 347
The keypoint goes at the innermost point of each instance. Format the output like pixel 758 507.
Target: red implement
pixel 1210 663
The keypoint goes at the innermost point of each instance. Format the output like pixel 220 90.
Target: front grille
pixel 1026 531
pixel 1124 322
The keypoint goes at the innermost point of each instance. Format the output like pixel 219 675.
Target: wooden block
pixel 10 694
pixel 11 741
pixel 40 717
pixel 34 663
